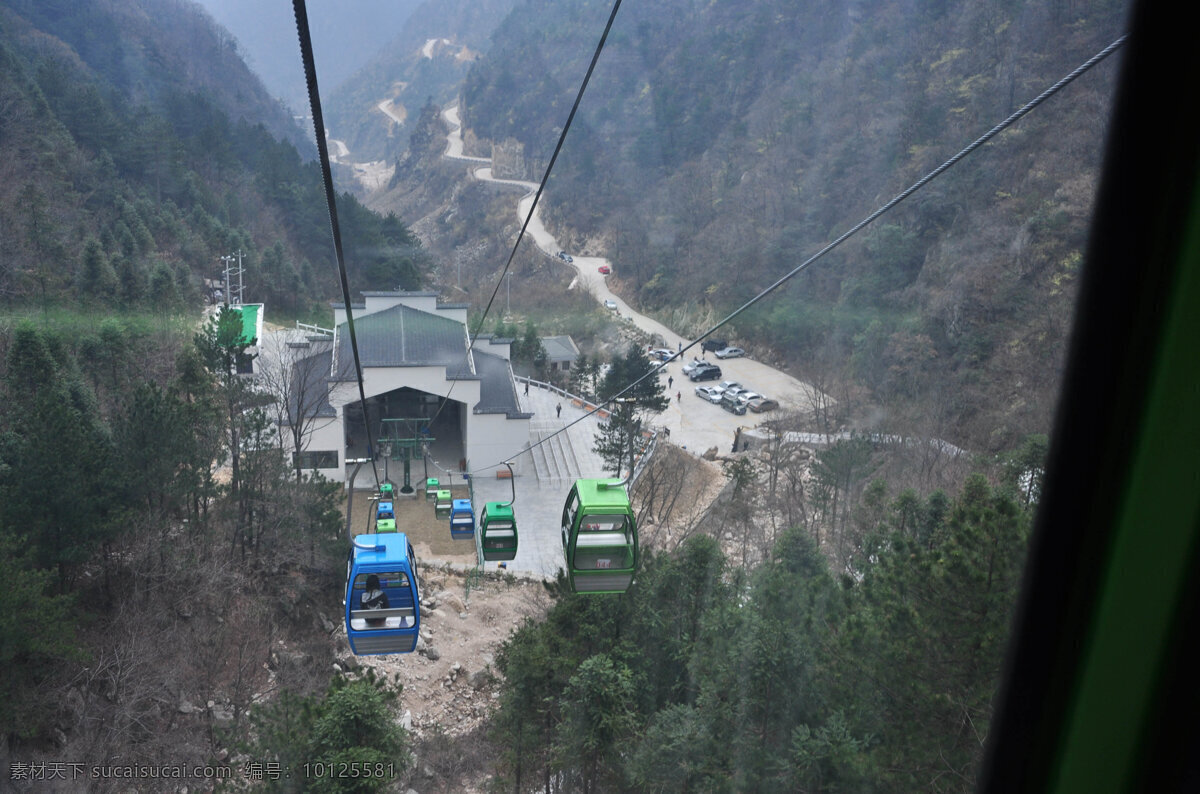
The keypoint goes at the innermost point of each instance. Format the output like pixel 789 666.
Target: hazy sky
pixel 345 33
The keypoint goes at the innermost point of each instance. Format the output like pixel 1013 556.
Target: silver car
pixel 710 393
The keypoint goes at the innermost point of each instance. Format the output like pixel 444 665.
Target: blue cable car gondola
pixel 393 624
pixel 599 537
pixel 462 519
pixel 384 510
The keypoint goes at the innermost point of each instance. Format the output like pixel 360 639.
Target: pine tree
pixel 97 279
pixel 620 436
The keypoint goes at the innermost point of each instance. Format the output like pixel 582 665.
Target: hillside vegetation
pixel 426 62
pixel 832 622
pixel 132 160
pixel 741 137
pixel 162 564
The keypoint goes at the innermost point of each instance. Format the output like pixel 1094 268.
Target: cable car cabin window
pixel 499 535
pixel 396 587
pixel 570 509
pixel 604 541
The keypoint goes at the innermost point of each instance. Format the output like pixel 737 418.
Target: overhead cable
pixel 920 183
pixel 537 195
pixel 314 100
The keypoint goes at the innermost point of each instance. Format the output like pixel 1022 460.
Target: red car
pixel 605 269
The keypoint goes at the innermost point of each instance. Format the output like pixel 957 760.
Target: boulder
pixel 222 715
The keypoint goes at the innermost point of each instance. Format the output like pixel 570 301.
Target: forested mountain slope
pixel 427 61
pixel 158 551
pixel 740 137
pixel 345 35
pixel 137 148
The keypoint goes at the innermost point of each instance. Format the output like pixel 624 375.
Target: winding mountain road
pixel 695 424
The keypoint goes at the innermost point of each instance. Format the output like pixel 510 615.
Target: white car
pixel 689 367
pixel 745 397
pixel 710 393
pixel 731 385
pixel 610 304
pixel 730 352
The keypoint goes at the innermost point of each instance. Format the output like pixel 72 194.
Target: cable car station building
pixel 415 360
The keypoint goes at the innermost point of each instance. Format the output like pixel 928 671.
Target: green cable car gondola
pixel 599 537
pixel 385 517
pixel 498 532
pixel 441 507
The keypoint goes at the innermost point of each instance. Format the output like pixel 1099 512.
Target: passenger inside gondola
pixel 373 598
pixel 383 591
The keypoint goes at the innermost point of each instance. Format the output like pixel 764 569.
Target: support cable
pixel 920 183
pixel 537 195
pixel 314 100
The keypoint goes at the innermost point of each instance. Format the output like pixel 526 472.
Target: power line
pixel 314 100
pixel 920 183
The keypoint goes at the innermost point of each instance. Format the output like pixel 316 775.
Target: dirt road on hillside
pixel 695 423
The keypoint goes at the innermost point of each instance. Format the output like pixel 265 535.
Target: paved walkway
pixel 548 473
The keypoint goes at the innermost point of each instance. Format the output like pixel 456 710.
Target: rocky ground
pixel 450 685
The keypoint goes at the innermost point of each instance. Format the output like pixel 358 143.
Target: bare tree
pixel 668 496
pixel 296 373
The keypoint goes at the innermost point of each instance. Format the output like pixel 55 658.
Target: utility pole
pixel 227 261
pixel 508 310
pixel 233 279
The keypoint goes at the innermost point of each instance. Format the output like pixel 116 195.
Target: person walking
pixel 678 397
pixel 670 381
pixel 558 411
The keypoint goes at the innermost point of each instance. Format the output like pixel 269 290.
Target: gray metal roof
pixel 560 348
pixel 405 337
pixel 497 392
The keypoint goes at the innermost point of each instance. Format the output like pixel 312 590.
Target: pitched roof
pixel 405 337
pixel 560 348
